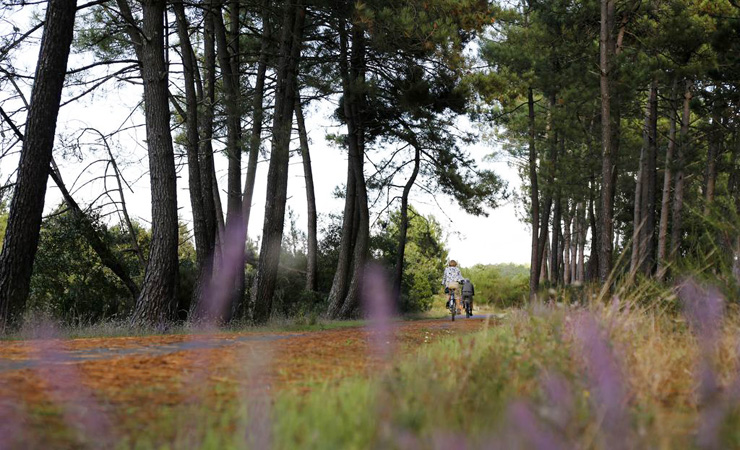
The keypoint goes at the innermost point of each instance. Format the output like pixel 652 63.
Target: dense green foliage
pixel 71 284
pixel 501 285
pixel 424 259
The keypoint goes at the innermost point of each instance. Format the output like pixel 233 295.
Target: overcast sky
pixel 498 238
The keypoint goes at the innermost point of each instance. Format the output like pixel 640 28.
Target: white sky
pixel 498 238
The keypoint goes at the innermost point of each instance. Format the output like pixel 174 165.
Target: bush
pixel 502 285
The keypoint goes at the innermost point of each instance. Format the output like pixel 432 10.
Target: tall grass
pixel 622 374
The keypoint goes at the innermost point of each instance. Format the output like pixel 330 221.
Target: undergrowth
pixel 618 373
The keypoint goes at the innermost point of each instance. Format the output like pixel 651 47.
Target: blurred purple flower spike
pixel 448 441
pixel 215 298
pixel 704 309
pixel 560 399
pixel 380 308
pixel 605 380
pixel 12 425
pixel 80 409
pixel 527 431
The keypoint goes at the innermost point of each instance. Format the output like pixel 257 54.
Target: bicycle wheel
pixel 453 309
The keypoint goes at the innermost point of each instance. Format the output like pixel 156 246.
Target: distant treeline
pixel 500 285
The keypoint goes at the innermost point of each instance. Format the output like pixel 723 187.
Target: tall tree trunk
pixel 644 208
pixel 404 226
pixel 607 167
pixel 255 141
pixel 734 190
pixel 561 258
pixel 665 203
pixel 207 97
pixel 592 272
pixel 715 142
pixel 258 113
pixel 534 266
pixel 226 61
pixel 637 218
pixel 544 234
pixel 567 245
pixel 555 246
pixel 647 235
pixel 353 106
pixel 341 280
pixel 154 304
pixel 548 171
pixel 557 215
pixel 311 226
pixel 544 269
pixel 580 274
pixel 203 245
pixel 27 205
pixel 291 40
pixel 344 295
pixel 676 230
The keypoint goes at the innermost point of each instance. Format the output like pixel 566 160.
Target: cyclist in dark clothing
pixel 468 291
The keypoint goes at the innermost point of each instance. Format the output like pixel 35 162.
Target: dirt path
pixel 161 370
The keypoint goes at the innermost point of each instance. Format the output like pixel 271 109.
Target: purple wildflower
pixel 378 302
pixel 80 409
pixel 605 380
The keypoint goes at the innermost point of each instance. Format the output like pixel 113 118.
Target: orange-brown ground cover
pixel 144 373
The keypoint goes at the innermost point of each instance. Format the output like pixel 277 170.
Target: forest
pixel 620 116
pixel 177 329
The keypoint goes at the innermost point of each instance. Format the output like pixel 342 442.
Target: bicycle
pixel 468 306
pixel 451 304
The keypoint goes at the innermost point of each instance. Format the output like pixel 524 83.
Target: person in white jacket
pixel 451 281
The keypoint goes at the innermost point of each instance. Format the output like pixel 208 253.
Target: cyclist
pixel 451 281
pixel 468 291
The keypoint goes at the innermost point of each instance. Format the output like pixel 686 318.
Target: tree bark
pixel 676 230
pixel 534 267
pixel 208 99
pixel 557 216
pixel 277 176
pixel 154 304
pixel 344 294
pixel 637 218
pixel 258 113
pixel 544 234
pixel 567 245
pixel 592 272
pixel 607 167
pixel 644 207
pixel 544 269
pixel 203 245
pixel 555 246
pixel 26 207
pixel 226 62
pixel 713 151
pixel 404 226
pixel 665 204
pixel 353 106
pixel 311 226
pixel 580 275
pixel 647 235
pixel 344 262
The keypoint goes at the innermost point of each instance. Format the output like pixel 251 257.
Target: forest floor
pixel 45 384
